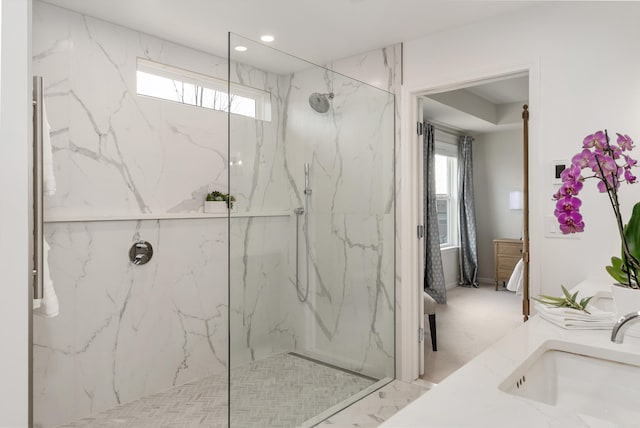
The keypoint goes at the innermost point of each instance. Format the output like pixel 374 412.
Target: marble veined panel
pixel 353 296
pixel 264 320
pixel 125 331
pixel 119 153
pixel 256 149
pixel 350 316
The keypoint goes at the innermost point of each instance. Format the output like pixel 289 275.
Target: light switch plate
pixel 552 229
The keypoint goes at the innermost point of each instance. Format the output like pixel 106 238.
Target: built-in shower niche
pixel 332 136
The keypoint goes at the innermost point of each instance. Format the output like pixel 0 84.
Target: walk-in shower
pixel 315 196
pixel 276 311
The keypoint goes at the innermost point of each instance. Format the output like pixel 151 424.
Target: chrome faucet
pixel 619 328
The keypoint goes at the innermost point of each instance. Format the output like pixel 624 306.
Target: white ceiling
pixel 316 30
pixel 503 91
pixel 488 107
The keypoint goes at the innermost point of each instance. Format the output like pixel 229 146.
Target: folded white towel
pixel 515 281
pixel 574 319
pixel 48 177
pixel 47 306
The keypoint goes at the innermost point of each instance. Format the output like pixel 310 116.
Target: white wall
pixel 580 81
pixel 15 114
pixel 497 170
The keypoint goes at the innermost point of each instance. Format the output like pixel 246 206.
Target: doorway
pixel 490 111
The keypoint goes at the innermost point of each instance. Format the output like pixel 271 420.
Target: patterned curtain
pixel 434 283
pixel 467 215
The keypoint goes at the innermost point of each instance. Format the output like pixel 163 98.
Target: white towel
pixel 48 305
pixel 515 281
pixel 574 319
pixel 48 178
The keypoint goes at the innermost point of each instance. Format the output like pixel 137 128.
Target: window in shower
pixel 187 87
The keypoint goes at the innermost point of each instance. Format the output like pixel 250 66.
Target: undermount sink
pixel 596 382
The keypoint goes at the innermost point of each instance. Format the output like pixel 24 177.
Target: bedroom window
pixel 187 87
pixel 446 193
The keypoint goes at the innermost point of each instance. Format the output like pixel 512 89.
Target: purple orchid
pixel 570 222
pixel 602 158
pixel 567 205
pixel 629 178
pixel 582 159
pixel 610 165
pixel 625 142
pixel 597 140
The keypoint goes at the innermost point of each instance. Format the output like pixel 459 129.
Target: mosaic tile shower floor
pixel 280 391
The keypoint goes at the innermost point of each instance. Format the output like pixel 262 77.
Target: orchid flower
pixel 602 158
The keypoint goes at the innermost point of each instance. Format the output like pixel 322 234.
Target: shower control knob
pixel 140 253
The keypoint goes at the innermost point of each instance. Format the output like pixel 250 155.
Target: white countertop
pixel 470 397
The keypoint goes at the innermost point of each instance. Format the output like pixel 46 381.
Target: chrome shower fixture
pixel 320 102
pixel 307 188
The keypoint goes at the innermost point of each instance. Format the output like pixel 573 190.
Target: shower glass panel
pixel 129 343
pixel 311 239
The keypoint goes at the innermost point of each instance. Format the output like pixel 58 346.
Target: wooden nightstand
pixel 506 252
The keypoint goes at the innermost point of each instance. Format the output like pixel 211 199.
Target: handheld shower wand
pixel 307 188
pixel 300 211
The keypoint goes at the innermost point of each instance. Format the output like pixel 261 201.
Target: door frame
pixel 409 295
pixel 15 154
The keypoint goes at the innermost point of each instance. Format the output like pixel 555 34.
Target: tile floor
pixel 281 391
pixel 376 408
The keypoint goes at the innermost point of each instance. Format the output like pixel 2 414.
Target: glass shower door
pixel 311 280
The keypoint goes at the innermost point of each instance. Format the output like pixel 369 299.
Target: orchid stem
pixel 630 262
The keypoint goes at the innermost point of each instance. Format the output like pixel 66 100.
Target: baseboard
pixel 451 285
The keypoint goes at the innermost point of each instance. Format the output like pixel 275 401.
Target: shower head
pixel 320 102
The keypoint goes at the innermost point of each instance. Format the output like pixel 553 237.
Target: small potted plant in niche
pixel 611 165
pixel 218 202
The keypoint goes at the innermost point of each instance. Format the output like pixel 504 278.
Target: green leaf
pixel 617 270
pixel 617 274
pixel 567 301
pixel 632 232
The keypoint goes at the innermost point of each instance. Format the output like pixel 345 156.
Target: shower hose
pixel 299 211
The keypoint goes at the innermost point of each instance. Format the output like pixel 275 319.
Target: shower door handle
pixel 38 227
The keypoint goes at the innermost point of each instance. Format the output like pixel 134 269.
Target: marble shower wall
pixel 127 331
pixel 263 317
pixel 116 152
pixel 348 319
pixel 350 314
pixel 124 165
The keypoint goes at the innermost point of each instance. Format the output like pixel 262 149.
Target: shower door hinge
pixel 420 334
pixel 420 231
pixel 419 128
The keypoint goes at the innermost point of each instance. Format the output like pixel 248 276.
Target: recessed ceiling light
pixel 240 48
pixel 267 38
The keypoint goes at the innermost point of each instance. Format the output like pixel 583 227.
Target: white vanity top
pixel 470 397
